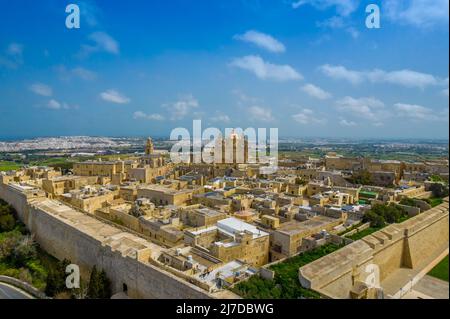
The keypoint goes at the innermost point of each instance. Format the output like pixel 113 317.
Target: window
pixel 124 288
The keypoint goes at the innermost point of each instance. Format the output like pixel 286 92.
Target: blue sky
pixel 308 67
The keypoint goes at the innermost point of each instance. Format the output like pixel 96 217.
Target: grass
pixel 37 267
pixel 440 271
pixel 364 233
pixel 285 285
pixel 33 268
pixel 434 201
pixel 8 166
pixel 350 229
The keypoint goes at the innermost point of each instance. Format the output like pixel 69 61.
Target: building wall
pixel 99 168
pixel 252 251
pixel 91 204
pixel 411 244
pixel 166 198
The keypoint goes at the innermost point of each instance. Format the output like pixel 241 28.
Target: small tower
pixel 149 147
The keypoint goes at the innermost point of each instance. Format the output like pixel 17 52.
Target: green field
pixel 285 284
pixel 8 166
pixel 440 270
pixel 434 201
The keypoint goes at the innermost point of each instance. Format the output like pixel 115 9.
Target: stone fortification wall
pixel 413 245
pixel 122 255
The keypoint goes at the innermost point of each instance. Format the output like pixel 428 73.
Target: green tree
pixel 363 177
pixel 99 285
pixel 93 288
pixel 439 190
pixel 408 202
pixel 8 243
pixel 24 251
pixel 105 286
pixel 374 219
pixel 56 279
pixel 7 220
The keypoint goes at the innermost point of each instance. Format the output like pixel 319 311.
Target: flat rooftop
pixel 294 227
pixel 208 212
pixel 232 225
pixel 163 189
pixel 94 228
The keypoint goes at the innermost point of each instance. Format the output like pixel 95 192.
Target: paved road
pixel 433 287
pixel 10 292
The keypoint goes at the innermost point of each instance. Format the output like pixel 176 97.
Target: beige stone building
pixel 287 238
pixel 161 195
pixel 89 198
pixel 63 184
pixel 232 239
pixel 199 216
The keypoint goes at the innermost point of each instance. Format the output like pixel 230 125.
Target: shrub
pixel 375 220
pixel 99 285
pixel 380 214
pixel 7 220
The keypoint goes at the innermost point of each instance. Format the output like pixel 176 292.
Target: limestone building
pixel 232 239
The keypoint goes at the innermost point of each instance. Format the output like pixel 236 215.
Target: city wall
pixel 64 240
pixel 412 246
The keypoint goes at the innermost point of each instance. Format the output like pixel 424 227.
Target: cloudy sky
pixel 308 67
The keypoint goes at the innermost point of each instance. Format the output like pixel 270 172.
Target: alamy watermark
pixel 373 18
pixel 73 278
pixel 73 19
pixel 233 146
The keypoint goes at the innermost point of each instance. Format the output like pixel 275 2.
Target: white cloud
pixel 12 57
pixel 340 72
pixel 418 13
pixel 445 91
pixel 262 40
pixel 353 32
pixel 220 118
pixel 306 116
pixel 89 12
pixel 79 72
pixel 245 100
pixel 316 91
pixel 105 42
pixel 102 42
pixel 265 70
pixel 84 74
pixel 182 107
pixel 416 112
pixel 345 122
pixel 53 104
pixel 15 49
pixel 406 78
pixel 339 22
pixel 333 23
pixel 366 107
pixel 56 105
pixel 343 7
pixel 151 117
pixel 258 113
pixel 114 97
pixel 41 89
